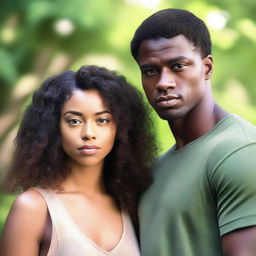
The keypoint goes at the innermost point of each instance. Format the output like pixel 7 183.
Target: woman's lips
pixel 88 149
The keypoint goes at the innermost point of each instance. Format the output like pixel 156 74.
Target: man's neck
pixel 197 122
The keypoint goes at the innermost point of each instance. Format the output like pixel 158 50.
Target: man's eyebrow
pixel 179 58
pixel 143 66
pixel 73 112
pixel 173 60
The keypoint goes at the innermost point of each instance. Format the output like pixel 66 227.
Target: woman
pixel 82 158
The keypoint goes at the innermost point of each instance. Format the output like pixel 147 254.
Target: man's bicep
pixel 235 187
pixel 241 242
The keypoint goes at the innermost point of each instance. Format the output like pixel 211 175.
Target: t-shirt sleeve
pixel 234 183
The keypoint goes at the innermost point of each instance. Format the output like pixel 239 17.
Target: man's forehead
pixel 160 45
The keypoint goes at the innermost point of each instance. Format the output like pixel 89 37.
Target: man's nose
pixel 88 131
pixel 166 80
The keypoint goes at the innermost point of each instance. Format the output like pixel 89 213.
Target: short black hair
pixel 169 23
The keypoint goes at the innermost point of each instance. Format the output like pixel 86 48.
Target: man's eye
pixel 179 66
pixel 74 121
pixel 103 120
pixel 149 72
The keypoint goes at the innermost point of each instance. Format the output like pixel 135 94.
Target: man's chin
pixel 171 115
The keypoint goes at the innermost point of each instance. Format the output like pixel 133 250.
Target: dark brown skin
pixel 241 242
pixel 176 80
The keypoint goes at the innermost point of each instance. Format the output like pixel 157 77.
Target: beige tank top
pixel 68 240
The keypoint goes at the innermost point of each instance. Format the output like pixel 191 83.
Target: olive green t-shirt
pixel 201 192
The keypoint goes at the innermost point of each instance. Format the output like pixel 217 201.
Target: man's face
pixel 173 75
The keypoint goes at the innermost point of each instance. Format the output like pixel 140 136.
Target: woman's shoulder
pixel 29 208
pixel 25 223
pixel 28 211
pixel 30 200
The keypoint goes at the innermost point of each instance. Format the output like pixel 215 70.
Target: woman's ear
pixel 208 63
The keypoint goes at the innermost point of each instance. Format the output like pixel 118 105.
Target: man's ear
pixel 208 63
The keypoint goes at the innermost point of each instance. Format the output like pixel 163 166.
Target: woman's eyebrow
pixel 73 112
pixel 102 112
pixel 77 113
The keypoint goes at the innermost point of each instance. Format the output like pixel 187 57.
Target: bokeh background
pixel 40 38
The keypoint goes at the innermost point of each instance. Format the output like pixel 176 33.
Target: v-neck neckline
pixel 75 225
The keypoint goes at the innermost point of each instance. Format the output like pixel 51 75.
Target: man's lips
pixel 169 100
pixel 88 149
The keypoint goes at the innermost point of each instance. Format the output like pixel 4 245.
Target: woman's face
pixel 87 129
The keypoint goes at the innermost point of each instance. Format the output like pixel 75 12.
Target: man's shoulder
pixel 230 134
pixel 235 134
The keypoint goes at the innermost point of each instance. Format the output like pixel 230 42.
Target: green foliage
pixel 33 47
pixel 5 204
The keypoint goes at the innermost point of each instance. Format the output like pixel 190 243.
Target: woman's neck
pixel 87 180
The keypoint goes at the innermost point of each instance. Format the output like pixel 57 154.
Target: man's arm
pixel 235 187
pixel 241 242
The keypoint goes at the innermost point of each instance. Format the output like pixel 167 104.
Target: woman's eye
pixel 103 120
pixel 74 121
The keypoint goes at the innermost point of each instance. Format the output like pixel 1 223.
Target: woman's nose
pixel 88 131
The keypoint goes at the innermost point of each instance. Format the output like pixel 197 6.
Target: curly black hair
pixel 168 23
pixel 39 159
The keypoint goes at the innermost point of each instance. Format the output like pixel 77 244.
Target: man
pixel 203 198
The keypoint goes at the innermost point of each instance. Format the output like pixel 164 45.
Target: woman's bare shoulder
pixel 30 200
pixel 25 224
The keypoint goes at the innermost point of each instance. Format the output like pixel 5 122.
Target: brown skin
pixel 176 80
pixel 27 222
pixel 85 120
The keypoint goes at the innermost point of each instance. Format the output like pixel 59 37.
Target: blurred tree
pixel 40 38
